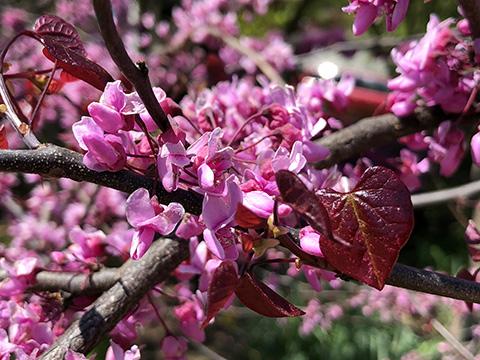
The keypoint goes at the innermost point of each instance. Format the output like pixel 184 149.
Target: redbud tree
pixel 153 164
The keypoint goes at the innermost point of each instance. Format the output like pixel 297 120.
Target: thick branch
pixel 54 161
pixel 137 75
pixel 137 278
pixel 441 196
pixel 431 282
pixel 366 134
pixel 471 10
pixel 76 283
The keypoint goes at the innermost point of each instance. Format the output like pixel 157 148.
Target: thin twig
pixel 441 196
pixel 42 96
pixel 452 340
pixel 260 62
pixel 22 128
pixel 136 74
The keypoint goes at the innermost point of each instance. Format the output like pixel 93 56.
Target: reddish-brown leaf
pixel 305 202
pixel 221 288
pixel 55 30
pixel 247 219
pixel 3 137
pixel 62 44
pixel 370 225
pixel 260 298
pixel 466 275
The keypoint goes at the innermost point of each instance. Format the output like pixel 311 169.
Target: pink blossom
pixel 310 241
pixel 411 169
pixel 21 274
pixel 104 152
pixel 172 157
pixel 174 348
pixel 447 147
pixel 115 352
pixel 87 246
pixel 73 355
pixel 111 113
pixel 475 148
pixel 366 11
pixel 430 71
pixel 190 314
pixel 147 216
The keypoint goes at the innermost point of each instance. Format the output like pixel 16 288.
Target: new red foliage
pixel 260 298
pixel 221 288
pixel 62 44
pixel 364 229
pixel 3 137
pixel 370 225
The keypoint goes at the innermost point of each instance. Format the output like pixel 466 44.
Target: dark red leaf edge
pixel 62 44
pixel 53 28
pixel 303 201
pixel 3 137
pixel 258 297
pixel 466 275
pixel 222 286
pixel 370 225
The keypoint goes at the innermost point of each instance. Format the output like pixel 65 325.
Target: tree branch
pixel 441 196
pixel 137 278
pixel 76 283
pixel 471 10
pixel 23 129
pixel 260 62
pixel 54 161
pixel 137 75
pixel 431 282
pixel 368 133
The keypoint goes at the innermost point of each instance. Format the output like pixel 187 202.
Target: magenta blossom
pixel 366 11
pixel 147 216
pixel 104 152
pixel 115 352
pixel 111 113
pixel 174 348
pixel 475 148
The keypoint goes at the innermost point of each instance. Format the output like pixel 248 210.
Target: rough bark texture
pixel 366 134
pixel 137 278
pixel 431 282
pixel 56 162
pixel 76 283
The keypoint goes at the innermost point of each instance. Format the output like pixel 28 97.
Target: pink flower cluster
pixel 435 70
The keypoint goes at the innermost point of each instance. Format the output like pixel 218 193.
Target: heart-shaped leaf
pixel 62 44
pixel 260 298
pixel 303 201
pixel 221 288
pixel 370 225
pixel 53 29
